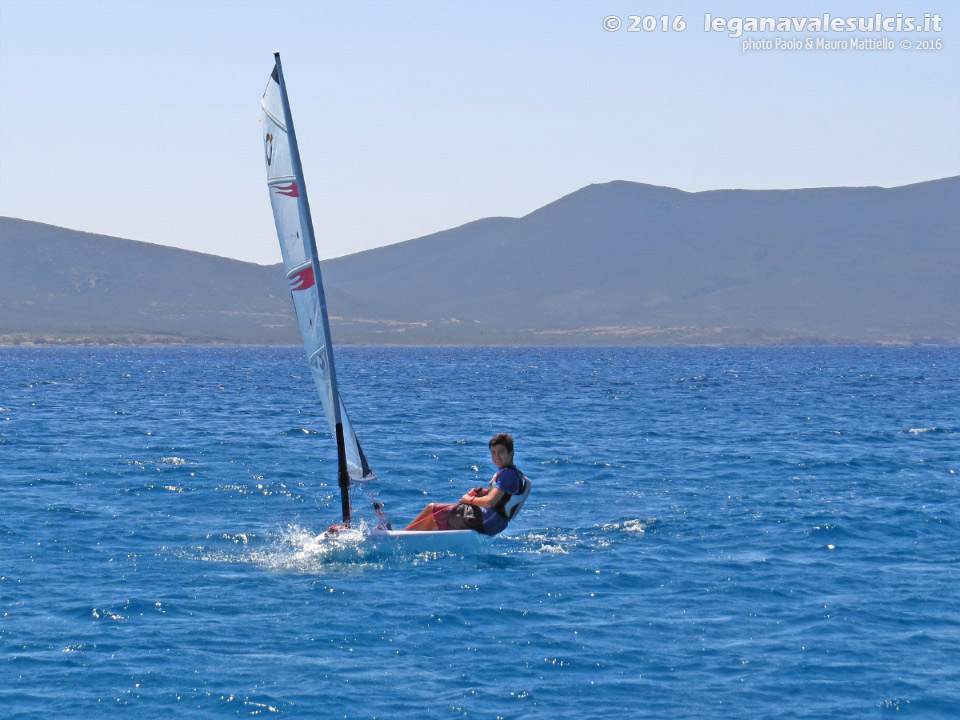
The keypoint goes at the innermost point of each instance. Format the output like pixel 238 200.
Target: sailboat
pixel 291 213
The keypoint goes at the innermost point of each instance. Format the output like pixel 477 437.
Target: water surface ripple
pixel 739 532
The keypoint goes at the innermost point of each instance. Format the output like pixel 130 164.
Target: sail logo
pixel 319 359
pixel 302 280
pixel 290 190
pixel 268 148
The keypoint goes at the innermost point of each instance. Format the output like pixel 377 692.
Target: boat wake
pixel 564 541
pixel 300 549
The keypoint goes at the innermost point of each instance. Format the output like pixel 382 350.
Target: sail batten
pixel 291 212
pixel 273 118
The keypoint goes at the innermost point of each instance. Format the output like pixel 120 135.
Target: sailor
pixel 484 509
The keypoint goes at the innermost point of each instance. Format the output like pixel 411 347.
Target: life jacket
pixel 509 505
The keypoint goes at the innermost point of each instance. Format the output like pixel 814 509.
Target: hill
pixel 626 262
pixel 612 263
pixel 64 286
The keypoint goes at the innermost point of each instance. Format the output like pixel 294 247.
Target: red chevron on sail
pixel 302 280
pixel 290 190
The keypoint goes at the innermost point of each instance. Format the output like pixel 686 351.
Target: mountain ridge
pixel 610 263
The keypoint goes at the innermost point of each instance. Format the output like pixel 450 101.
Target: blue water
pixel 742 533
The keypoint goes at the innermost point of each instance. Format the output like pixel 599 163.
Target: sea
pixel 714 532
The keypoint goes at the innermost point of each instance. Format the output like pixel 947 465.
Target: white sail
pixel 291 212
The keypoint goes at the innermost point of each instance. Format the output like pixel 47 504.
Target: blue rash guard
pixel 508 480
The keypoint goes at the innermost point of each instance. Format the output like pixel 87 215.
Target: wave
pixel 302 432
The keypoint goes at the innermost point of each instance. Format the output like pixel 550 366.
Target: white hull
pixel 411 541
pixel 364 544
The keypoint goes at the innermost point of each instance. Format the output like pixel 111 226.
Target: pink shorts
pixel 457 516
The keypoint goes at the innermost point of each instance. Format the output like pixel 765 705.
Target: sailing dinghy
pixel 291 213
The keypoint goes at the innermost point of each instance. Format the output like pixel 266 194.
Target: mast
pixel 306 222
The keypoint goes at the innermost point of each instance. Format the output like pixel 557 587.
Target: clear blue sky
pixel 141 119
